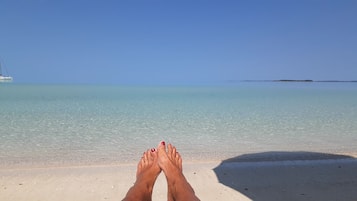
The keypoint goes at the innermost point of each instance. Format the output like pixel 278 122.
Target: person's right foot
pixel 169 160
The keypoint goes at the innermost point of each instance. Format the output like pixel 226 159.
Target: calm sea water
pixel 86 124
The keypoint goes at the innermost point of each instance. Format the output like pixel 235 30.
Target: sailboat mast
pixel 4 78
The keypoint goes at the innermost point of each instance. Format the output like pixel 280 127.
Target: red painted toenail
pixel 153 150
pixel 163 143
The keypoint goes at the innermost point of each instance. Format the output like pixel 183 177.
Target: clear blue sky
pixel 177 42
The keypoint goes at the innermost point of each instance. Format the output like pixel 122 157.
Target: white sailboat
pixel 4 78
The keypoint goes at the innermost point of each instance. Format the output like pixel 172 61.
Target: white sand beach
pixel 327 179
pixel 102 183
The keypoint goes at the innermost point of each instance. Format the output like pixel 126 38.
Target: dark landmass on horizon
pixel 288 80
pixel 314 80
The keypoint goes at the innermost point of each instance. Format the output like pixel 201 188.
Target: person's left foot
pixel 146 174
pixel 148 168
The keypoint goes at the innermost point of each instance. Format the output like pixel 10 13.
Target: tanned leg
pixel 147 172
pixel 170 162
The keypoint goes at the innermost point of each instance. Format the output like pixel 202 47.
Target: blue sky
pixel 177 42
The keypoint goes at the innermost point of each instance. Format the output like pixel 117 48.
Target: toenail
pixel 153 150
pixel 163 143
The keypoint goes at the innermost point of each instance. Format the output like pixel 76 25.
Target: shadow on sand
pixel 290 176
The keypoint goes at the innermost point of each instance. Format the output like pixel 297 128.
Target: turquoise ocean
pixel 60 125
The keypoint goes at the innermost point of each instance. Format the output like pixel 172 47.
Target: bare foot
pixel 147 172
pixel 169 159
pixel 148 167
pixel 170 162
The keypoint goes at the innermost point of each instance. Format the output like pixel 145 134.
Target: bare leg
pixel 170 162
pixel 147 172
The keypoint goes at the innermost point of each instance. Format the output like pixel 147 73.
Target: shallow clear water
pixel 87 124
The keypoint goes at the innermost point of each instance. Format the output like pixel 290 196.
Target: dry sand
pixel 325 179
pixel 101 183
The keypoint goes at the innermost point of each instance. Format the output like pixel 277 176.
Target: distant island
pixel 292 80
pixel 314 81
pixel 288 80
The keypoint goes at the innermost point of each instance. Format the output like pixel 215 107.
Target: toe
pixel 161 148
pixel 174 152
pixel 169 150
pixel 146 157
